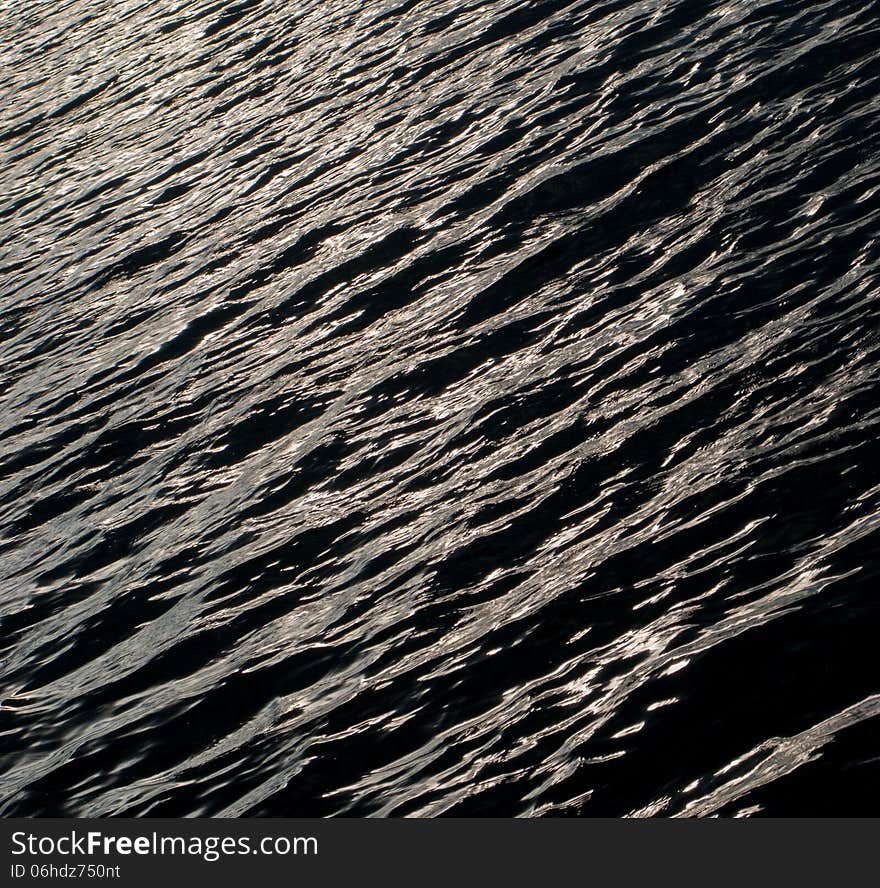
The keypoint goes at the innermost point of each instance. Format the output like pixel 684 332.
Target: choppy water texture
pixel 439 407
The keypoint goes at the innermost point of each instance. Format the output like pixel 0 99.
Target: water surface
pixel 441 407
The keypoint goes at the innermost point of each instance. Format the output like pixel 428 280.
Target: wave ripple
pixel 419 407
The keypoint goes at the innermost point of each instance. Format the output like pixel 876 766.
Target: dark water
pixel 439 407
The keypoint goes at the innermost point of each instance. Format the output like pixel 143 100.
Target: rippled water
pixel 439 407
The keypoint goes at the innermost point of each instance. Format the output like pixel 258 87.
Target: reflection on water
pixel 439 407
